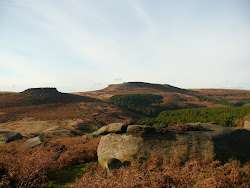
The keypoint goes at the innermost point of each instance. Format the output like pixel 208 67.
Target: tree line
pixel 141 103
pixel 223 101
pixel 168 116
pixel 224 116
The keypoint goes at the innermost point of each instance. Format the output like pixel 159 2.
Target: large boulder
pixel 211 142
pixel 118 146
pixel 33 142
pixel 9 136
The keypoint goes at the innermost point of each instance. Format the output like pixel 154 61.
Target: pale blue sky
pixel 81 45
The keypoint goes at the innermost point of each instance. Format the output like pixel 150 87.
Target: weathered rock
pixel 118 146
pixel 111 128
pixel 140 129
pixel 212 142
pixel 247 125
pixel 33 142
pixel 9 136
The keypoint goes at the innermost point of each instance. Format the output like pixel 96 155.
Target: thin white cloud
pixel 80 42
pixel 142 14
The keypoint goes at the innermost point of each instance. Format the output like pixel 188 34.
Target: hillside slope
pixel 47 111
pixel 58 114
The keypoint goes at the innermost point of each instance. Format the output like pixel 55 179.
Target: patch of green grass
pixel 66 177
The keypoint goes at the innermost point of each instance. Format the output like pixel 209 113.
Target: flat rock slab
pixel 9 136
pixel 33 142
pixel 111 128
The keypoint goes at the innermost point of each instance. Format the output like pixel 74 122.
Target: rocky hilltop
pixel 42 90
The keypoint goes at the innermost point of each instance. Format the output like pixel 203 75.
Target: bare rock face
pixel 212 142
pixel 9 136
pixel 118 146
pixel 33 142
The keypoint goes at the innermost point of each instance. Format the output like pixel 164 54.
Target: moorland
pixel 68 158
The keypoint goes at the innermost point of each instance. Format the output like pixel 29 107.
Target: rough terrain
pixel 209 143
pixel 52 113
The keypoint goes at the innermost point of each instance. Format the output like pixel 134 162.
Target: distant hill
pixel 50 112
pixel 170 93
pixel 144 87
pixel 133 88
pixel 172 96
pixel 39 96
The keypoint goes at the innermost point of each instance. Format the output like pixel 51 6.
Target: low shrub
pixel 27 167
pixel 186 127
pixel 170 172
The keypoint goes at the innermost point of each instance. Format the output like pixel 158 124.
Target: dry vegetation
pixel 23 167
pixel 224 93
pixel 85 110
pixel 79 117
pixel 186 127
pixel 169 172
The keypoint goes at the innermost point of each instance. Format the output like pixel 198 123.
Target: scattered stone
pixel 9 136
pixel 33 142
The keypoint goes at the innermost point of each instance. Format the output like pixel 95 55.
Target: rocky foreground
pixel 149 157
pixel 121 145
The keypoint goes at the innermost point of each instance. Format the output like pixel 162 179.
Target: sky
pixel 84 45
